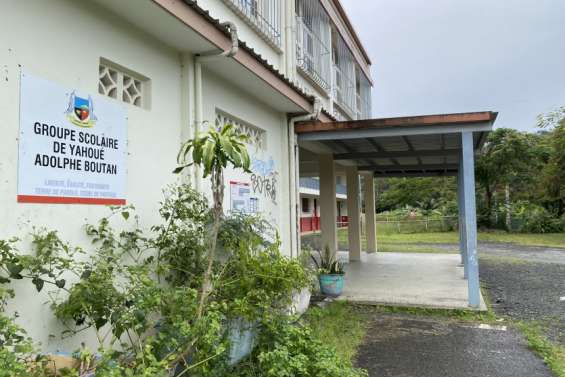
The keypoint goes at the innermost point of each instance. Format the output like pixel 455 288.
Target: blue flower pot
pixel 331 285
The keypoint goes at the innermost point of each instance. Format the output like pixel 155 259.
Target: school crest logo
pixel 80 111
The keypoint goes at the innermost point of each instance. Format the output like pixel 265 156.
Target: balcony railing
pixel 314 184
pixel 262 15
pixel 344 91
pixel 312 55
pixel 363 108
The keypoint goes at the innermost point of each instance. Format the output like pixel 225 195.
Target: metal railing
pixel 313 41
pixel 312 54
pixel 314 184
pixel 344 91
pixel 262 15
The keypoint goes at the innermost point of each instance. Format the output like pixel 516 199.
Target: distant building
pixel 310 205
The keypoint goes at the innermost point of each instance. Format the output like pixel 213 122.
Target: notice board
pixel 72 145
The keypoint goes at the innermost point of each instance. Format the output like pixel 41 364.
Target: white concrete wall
pixel 62 41
pixel 219 95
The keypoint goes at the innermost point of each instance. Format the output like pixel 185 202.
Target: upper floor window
pixel 363 95
pixel 313 42
pixel 264 16
pixel 344 67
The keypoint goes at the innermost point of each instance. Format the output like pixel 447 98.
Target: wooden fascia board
pixel 416 121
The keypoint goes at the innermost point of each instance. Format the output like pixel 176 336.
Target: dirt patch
pixel 404 345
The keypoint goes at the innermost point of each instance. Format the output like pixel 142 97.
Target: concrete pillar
pixel 470 219
pixel 461 206
pixel 370 224
pixel 353 213
pixel 328 207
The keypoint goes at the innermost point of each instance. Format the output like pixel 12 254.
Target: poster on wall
pixel 72 146
pixel 240 196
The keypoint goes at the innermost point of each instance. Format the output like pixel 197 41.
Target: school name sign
pixel 72 146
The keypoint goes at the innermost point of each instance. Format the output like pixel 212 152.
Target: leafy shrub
pixel 531 218
pixel 288 349
pixel 256 279
pixel 141 298
pixel 16 348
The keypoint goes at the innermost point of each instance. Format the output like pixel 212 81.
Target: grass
pixel 526 239
pixel 452 314
pixel 552 354
pixel 424 242
pixel 339 325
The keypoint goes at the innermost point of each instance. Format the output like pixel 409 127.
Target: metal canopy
pixel 428 145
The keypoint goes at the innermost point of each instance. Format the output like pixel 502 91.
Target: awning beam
pixel 413 153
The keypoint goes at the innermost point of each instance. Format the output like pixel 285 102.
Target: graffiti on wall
pixel 264 178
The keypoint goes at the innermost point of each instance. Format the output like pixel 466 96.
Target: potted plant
pixel 330 273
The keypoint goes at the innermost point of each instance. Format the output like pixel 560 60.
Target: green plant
pixel 214 151
pixel 339 325
pixel 17 352
pixel 180 240
pixel 552 354
pixel 327 263
pixel 289 349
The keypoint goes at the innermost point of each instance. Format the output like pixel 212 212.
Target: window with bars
pixel 363 95
pixel 264 16
pixel 344 66
pixel 313 56
pixel 122 84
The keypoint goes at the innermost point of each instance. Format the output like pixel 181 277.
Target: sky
pixel 445 56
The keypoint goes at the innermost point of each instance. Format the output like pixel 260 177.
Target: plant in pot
pixel 301 297
pixel 330 273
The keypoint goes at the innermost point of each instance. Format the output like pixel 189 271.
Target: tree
pixel 553 173
pixel 508 158
pixel 214 150
pixel 427 194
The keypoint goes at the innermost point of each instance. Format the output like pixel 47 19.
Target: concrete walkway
pixel 407 279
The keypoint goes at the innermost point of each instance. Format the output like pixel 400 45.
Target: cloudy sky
pixel 441 56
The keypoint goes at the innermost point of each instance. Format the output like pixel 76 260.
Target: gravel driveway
pixel 526 290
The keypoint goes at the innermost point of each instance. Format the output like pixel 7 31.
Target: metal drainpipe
pixel 203 57
pixel 294 176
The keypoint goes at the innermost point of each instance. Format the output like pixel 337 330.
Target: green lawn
pixel 424 242
pixel 339 325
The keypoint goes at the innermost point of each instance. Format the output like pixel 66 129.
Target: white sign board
pixel 239 194
pixel 72 146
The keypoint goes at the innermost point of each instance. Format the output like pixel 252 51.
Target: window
pixel 122 84
pixel 305 205
pixel 263 16
pixel 313 55
pixel 343 76
pixel 257 136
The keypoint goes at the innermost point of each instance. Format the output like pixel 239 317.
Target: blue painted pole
pixel 470 219
pixel 461 206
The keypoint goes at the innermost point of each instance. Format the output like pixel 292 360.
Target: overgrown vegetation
pixel 340 325
pixel 520 183
pixel 168 302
